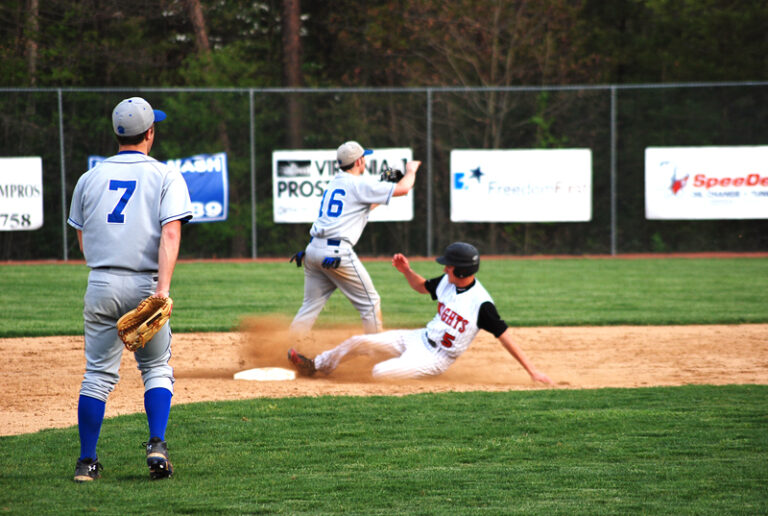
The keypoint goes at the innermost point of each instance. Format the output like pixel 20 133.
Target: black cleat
pixel 305 366
pixel 87 470
pixel 157 459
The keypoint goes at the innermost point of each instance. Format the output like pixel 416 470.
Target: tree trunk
pixel 196 17
pixel 195 13
pixel 292 68
pixel 31 35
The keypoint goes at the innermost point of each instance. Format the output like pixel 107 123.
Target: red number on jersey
pixel 447 340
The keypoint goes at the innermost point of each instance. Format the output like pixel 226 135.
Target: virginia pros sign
pixel 21 194
pixel 552 185
pixel 697 183
pixel 299 178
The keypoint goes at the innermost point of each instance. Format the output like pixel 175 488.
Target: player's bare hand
pixel 538 376
pixel 412 166
pixel 400 262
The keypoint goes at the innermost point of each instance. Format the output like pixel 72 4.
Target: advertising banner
pixel 21 194
pixel 299 178
pixel 700 183
pixel 552 185
pixel 206 178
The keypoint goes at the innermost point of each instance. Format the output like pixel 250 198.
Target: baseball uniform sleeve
pixel 175 204
pixel 431 286
pixel 372 191
pixel 76 207
pixel 488 319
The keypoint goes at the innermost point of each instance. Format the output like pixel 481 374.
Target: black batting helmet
pixel 464 257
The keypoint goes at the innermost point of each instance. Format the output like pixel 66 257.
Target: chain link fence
pixel 66 126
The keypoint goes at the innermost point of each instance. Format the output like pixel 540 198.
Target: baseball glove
pixel 299 257
pixel 390 174
pixel 138 326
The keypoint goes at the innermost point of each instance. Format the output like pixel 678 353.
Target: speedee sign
pixel 706 183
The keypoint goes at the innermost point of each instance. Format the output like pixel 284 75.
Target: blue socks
pixel 157 404
pixel 90 414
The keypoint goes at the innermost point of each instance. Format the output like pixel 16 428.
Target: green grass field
pixel 683 450
pixel 211 296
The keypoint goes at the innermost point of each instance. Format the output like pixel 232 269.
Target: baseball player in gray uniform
pixel 329 259
pixel 128 211
pixel 463 308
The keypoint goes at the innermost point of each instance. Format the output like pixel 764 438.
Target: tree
pixel 292 75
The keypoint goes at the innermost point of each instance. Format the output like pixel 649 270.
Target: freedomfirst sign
pixel 526 185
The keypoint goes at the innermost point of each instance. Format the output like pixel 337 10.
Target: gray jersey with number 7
pixel 121 204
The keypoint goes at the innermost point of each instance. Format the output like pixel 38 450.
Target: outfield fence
pixel 617 123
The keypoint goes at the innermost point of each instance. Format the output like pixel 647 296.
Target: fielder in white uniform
pixel 463 308
pixel 329 259
pixel 128 211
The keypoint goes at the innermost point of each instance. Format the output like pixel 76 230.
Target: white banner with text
pixel 532 185
pixel 706 183
pixel 299 178
pixel 21 194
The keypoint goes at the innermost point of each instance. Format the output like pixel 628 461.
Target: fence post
pixel 429 172
pixel 613 171
pixel 253 173
pixel 63 180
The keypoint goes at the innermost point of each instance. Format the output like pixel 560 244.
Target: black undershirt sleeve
pixel 431 286
pixel 488 319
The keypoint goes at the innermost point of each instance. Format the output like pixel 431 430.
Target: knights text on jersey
pixel 345 206
pixel 455 325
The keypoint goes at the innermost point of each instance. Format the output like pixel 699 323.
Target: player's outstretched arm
pixel 514 350
pixel 406 183
pixel 416 281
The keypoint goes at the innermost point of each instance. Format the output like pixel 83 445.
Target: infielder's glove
pixel 298 257
pixel 138 326
pixel 390 174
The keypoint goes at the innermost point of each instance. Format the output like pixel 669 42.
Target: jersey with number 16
pixel 346 204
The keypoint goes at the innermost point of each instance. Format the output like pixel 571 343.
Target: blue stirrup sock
pixel 90 415
pixel 157 405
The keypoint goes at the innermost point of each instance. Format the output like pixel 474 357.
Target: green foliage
pixel 544 136
pixel 434 42
pixel 686 450
pixel 346 43
pixel 217 296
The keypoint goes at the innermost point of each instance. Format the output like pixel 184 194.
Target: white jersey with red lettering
pixel 455 324
pixel 422 352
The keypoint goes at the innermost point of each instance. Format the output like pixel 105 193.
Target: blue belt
pixel 330 241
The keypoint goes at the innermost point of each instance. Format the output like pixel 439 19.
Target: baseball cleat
pixel 305 366
pixel 157 459
pixel 87 470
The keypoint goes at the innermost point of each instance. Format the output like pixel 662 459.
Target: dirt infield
pixel 41 376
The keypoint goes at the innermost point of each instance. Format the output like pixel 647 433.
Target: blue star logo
pixel 477 174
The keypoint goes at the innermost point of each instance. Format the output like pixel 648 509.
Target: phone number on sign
pixel 15 220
